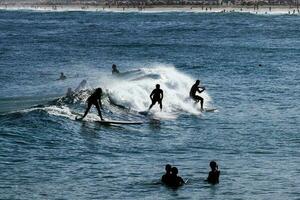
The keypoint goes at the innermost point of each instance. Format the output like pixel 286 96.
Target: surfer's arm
pixel 162 95
pixel 202 89
pixel 151 94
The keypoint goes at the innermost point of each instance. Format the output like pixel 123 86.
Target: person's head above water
pixel 213 165
pixel 197 82
pixel 174 171
pixel 114 66
pixel 168 168
pixel 157 86
pixel 98 90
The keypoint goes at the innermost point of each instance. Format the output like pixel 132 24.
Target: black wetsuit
pixel 213 177
pixel 156 96
pixel 94 99
pixel 194 89
pixel 166 178
pixel 175 181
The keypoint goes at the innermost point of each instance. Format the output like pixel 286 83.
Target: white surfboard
pixel 107 122
pixel 146 112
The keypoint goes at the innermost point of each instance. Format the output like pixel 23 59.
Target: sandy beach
pixel 284 9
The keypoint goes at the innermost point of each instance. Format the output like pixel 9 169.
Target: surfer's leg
pixel 201 102
pixel 160 104
pixel 99 111
pixel 87 110
pixel 152 104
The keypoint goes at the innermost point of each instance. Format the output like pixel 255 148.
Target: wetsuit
pixel 94 99
pixel 213 177
pixel 194 89
pixel 156 96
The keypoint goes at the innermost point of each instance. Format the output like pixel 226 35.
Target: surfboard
pixel 107 122
pixel 144 112
pixel 209 110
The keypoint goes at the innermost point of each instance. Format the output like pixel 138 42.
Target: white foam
pixel 175 84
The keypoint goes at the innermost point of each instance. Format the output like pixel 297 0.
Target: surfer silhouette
pixel 195 88
pixel 62 76
pixel 167 176
pixel 213 176
pixel 175 180
pixel 94 99
pixel 156 95
pixel 115 71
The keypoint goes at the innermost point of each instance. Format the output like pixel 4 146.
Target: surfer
pixel 94 99
pixel 213 176
pixel 167 176
pixel 156 95
pixel 195 88
pixel 62 76
pixel 115 71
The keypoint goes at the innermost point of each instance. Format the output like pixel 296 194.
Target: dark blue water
pixel 254 135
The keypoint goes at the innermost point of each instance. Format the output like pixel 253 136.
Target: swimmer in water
pixel 156 95
pixel 94 99
pixel 213 176
pixel 167 176
pixel 195 88
pixel 175 180
pixel 115 71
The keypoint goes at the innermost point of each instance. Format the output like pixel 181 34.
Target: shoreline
pixel 267 9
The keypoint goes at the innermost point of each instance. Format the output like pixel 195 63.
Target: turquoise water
pixel 254 135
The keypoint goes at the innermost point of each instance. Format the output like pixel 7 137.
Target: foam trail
pixel 176 85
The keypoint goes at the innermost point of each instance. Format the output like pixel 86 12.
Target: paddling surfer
pixel 94 99
pixel 195 88
pixel 156 95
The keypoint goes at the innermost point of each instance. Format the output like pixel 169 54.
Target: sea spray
pixel 134 93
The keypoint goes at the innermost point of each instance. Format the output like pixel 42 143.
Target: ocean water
pixel 248 63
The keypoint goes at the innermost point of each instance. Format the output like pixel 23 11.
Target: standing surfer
pixel 195 88
pixel 94 99
pixel 157 95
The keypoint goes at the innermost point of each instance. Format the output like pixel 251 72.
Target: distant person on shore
pixel 175 180
pixel 167 176
pixel 156 95
pixel 94 99
pixel 62 76
pixel 115 71
pixel 213 176
pixel 195 88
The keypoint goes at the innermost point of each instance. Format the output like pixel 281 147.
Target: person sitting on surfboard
pixel 167 176
pixel 94 99
pixel 156 96
pixel 195 88
pixel 115 71
pixel 213 176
